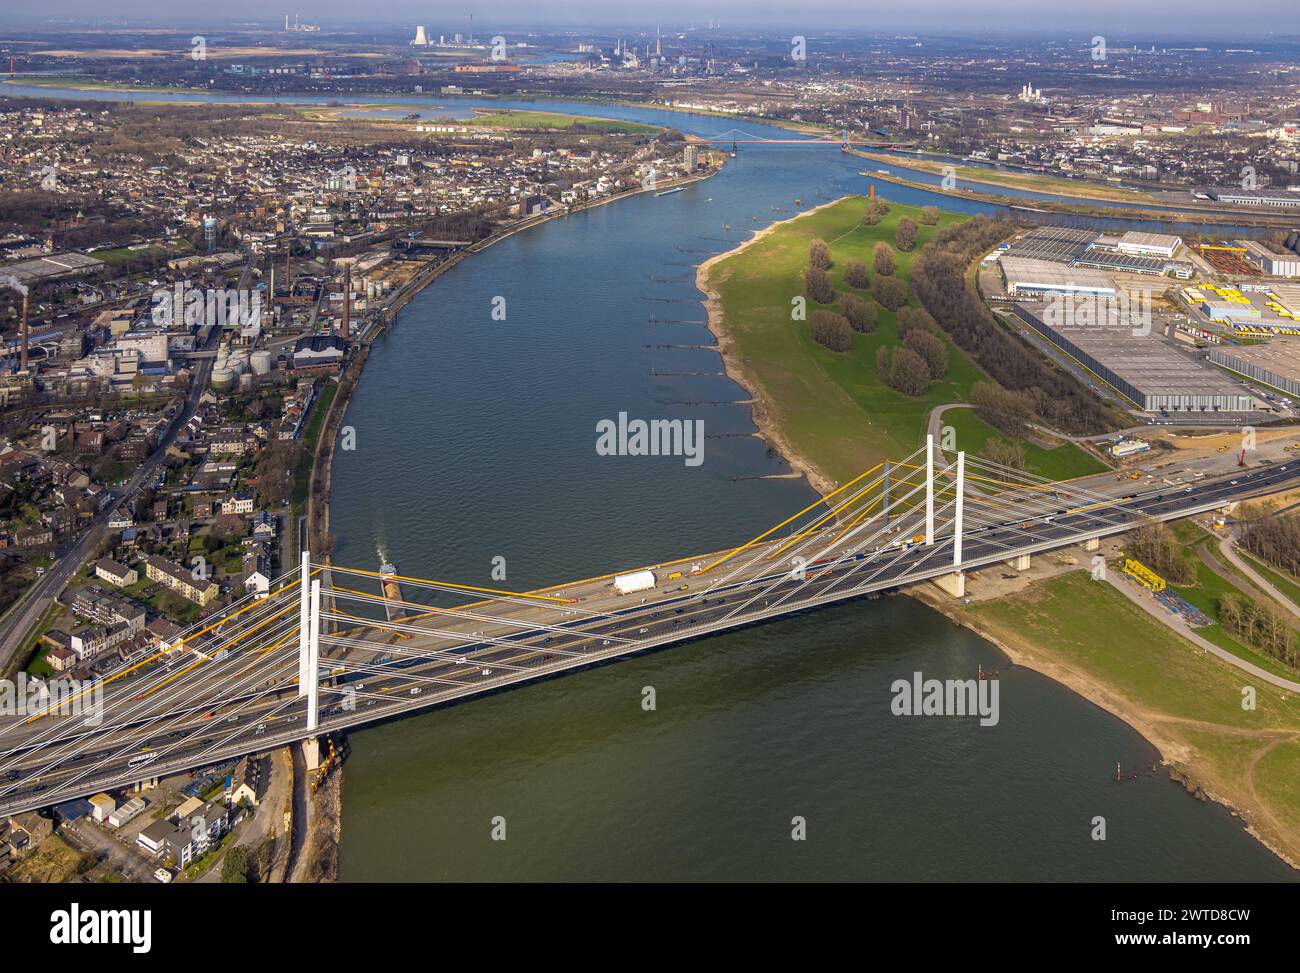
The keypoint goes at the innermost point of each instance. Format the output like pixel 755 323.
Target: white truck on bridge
pixel 626 584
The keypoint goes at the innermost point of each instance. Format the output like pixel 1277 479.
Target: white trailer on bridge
pixel 626 584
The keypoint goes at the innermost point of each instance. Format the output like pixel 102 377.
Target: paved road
pixel 245 701
pixel 1228 549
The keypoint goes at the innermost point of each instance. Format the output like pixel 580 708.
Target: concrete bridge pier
pixel 952 584
pixel 1020 562
pixel 1092 544
pixel 311 753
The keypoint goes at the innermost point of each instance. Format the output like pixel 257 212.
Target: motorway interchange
pixel 232 687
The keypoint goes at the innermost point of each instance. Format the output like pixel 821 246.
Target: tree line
pixel 938 277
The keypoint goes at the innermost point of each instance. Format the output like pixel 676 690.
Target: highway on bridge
pixel 232 688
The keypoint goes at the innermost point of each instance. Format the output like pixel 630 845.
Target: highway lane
pixel 462 661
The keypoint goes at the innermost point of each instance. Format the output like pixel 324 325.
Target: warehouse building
pixel 1021 275
pixel 1254 197
pixel 1230 312
pixel 1276 364
pixel 1144 368
pixel 1114 261
pixel 1149 244
pixel 56 266
pixel 1271 263
pixel 1058 244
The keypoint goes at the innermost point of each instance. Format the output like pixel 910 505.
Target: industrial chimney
pixel 347 303
pixel 22 355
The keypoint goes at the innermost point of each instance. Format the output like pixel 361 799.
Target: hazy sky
pixel 1169 18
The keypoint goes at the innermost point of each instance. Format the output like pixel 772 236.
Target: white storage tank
pixel 261 362
pixel 223 379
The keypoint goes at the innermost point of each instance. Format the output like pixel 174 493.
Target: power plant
pixel 420 39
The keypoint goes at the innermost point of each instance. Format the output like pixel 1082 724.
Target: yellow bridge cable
pixel 772 530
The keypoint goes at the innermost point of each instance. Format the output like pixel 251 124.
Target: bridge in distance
pixel 333 647
pixel 735 136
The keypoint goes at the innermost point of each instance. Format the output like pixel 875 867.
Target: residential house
pixel 115 573
pixel 179 579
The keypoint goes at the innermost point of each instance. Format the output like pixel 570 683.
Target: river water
pixel 475 439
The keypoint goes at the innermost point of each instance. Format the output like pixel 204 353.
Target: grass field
pixel 833 408
pixel 1280 580
pixel 1186 701
pixel 302 475
pixel 542 119
pixel 1062 462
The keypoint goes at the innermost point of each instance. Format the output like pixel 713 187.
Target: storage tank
pixel 246 381
pixel 626 584
pixel 223 379
pixel 261 362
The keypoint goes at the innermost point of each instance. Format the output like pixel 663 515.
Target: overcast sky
pixel 1169 18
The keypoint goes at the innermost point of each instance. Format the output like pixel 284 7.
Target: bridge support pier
pixel 1092 544
pixel 311 753
pixel 1020 562
pixel 952 584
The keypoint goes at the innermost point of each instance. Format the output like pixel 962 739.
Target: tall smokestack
pixel 22 355
pixel 347 302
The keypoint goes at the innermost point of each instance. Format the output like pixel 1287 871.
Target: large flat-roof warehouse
pixel 1023 275
pixel 1150 372
pixel 1276 363
pixel 56 266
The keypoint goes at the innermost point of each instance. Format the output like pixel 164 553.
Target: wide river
pixel 475 439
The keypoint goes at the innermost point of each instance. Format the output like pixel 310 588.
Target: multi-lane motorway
pixel 208 707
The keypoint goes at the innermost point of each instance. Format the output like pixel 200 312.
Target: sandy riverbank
pixel 764 408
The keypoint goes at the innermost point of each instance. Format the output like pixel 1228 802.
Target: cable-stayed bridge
pixel 334 647
pixel 736 136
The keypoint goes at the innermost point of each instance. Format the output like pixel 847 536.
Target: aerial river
pixel 475 439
